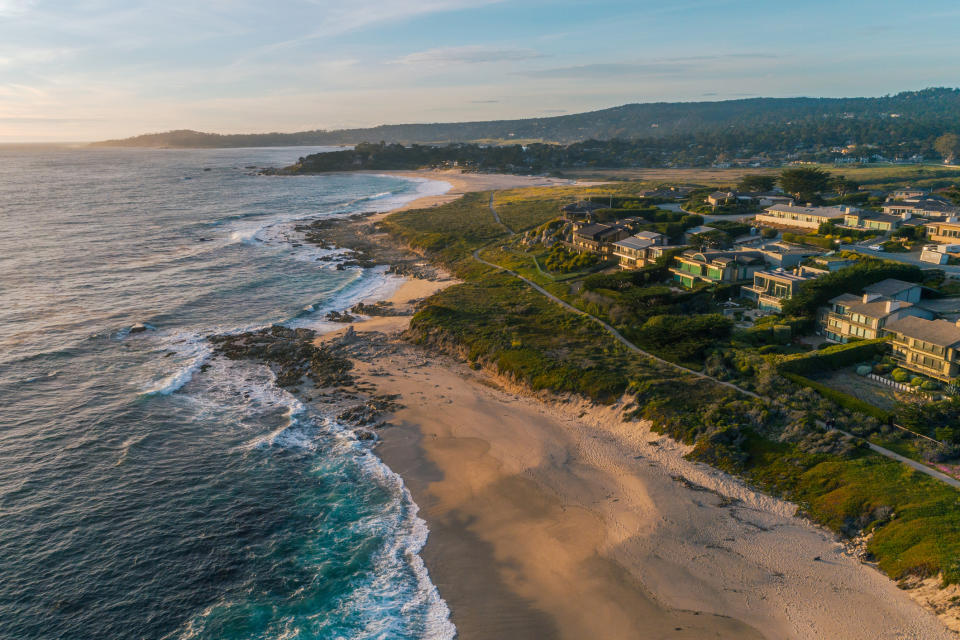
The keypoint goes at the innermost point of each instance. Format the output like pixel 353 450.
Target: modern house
pixel 771 288
pixel 930 347
pixel 718 198
pixel 689 233
pixel 832 262
pixel 633 252
pixel 783 255
pixel 946 232
pixel 865 316
pixel 716 266
pixel 801 217
pixel 885 222
pixel 598 238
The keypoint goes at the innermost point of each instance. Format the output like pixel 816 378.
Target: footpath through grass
pixel 494 320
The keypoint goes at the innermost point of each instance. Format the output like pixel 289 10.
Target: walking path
pixel 922 468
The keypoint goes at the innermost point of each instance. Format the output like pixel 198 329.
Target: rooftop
pixel 648 235
pixel 827 212
pixel 890 287
pixel 938 332
pixel 633 243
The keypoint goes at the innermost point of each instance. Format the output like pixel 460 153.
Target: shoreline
pixel 554 519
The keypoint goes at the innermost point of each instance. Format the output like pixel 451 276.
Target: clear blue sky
pixel 83 70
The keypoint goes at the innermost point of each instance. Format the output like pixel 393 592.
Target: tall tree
pixel 843 186
pixel 948 146
pixel 804 181
pixel 756 182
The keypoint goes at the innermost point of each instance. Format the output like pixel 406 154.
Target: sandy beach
pixel 554 518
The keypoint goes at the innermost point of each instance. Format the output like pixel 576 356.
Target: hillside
pixel 908 116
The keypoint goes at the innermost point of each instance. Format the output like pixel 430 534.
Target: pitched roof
pixel 648 235
pixel 890 287
pixel 938 332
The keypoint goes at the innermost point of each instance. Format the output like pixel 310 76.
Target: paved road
pixel 908 258
pixel 913 464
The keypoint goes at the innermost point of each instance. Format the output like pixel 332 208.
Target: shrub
pixel 899 375
pixel 833 357
pixel 864 369
pixel 929 385
pixel 768 233
pixel 916 381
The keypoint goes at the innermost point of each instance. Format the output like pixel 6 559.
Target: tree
pixel 948 146
pixel 843 186
pixel 804 180
pixel 756 182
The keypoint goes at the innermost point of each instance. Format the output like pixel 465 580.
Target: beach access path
pixel 918 466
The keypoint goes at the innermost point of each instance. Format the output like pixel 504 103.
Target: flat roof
pixel 633 243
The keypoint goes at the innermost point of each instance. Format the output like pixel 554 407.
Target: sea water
pixel 149 489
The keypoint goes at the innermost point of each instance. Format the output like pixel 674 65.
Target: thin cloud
pixel 466 55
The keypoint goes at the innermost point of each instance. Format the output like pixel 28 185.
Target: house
pixel 925 207
pixel 718 198
pixel 872 220
pixel 930 347
pixel 770 199
pixel 895 290
pixel 657 251
pixel 633 252
pixel 945 232
pixel 771 288
pixel 864 316
pixel 716 266
pixel 800 217
pixel 783 255
pixel 598 238
pixel 832 262
pixel 904 194
pixel 580 210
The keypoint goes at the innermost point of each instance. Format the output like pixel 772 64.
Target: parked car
pixel 875 247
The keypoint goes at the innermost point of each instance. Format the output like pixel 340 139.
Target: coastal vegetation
pixel 775 439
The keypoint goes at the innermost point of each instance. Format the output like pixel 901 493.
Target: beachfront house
pixel 771 288
pixel 694 266
pixel 865 316
pixel 785 215
pixel 598 238
pixel 633 252
pixel 930 347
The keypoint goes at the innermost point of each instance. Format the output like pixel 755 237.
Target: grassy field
pixel 494 320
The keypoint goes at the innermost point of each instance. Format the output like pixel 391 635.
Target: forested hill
pixel 909 116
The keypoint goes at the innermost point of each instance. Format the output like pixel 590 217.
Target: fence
pixel 899 386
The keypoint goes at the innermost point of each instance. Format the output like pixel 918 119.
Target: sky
pixel 77 70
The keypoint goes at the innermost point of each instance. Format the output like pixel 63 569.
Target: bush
pixel 768 233
pixel 864 369
pixel 842 399
pixel 899 375
pixel 916 381
pixel 929 385
pixel 834 357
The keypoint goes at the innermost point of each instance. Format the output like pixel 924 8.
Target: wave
pixel 193 346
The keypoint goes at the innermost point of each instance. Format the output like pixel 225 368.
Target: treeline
pixel 747 126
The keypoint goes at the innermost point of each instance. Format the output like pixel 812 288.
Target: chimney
pixel 870 297
pixel 892 305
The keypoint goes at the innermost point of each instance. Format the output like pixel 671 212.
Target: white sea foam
pixel 184 345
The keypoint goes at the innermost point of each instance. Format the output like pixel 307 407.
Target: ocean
pixel 149 489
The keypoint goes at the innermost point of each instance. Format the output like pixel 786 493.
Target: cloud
pixel 344 17
pixel 611 69
pixel 467 55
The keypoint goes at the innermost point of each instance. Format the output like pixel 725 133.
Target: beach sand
pixel 553 518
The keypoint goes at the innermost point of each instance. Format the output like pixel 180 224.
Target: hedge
pixel 835 357
pixel 842 399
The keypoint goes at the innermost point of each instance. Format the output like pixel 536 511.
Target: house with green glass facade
pixel 716 266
